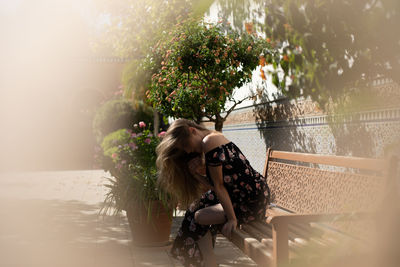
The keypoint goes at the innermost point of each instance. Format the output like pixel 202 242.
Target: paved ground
pixel 52 219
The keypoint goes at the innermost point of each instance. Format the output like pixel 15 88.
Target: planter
pixel 153 232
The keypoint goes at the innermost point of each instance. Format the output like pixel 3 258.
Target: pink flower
pixel 192 227
pixel 148 140
pixel 142 124
pixel 189 241
pixel 114 155
pixel 227 179
pixel 133 135
pixel 162 134
pixel 133 146
pixel 191 252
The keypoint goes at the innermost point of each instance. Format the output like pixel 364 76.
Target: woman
pixel 236 192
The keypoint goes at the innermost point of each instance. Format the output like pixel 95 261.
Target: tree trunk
pixel 198 119
pixel 219 123
pixel 156 122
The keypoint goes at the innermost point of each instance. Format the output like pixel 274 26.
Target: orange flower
pixel 285 58
pixel 287 26
pixel 262 61
pixel 268 40
pixel 262 74
pixel 249 27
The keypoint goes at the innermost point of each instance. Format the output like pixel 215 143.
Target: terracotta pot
pixel 153 232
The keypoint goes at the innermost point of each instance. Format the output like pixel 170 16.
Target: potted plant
pixel 130 157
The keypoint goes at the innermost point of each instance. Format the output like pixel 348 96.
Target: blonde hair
pixel 172 163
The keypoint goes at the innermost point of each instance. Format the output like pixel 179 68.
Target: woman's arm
pixel 224 198
pixel 209 142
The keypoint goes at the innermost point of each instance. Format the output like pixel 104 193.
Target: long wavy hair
pixel 172 163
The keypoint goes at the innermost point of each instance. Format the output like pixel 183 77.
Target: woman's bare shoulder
pixel 213 140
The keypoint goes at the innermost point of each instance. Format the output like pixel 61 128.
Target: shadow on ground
pixel 61 233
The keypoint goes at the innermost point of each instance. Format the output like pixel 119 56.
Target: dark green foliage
pixel 117 114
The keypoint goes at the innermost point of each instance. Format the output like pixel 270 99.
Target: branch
pixel 236 103
pixel 209 117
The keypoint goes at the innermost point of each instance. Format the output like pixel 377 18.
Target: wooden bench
pixel 319 203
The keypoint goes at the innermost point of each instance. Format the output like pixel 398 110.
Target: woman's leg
pixel 206 248
pixel 210 215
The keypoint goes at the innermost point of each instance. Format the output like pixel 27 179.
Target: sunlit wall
pixel 50 84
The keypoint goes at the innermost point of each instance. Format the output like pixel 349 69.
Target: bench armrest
pixel 307 218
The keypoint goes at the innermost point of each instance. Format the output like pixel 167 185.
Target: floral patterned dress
pixel 248 192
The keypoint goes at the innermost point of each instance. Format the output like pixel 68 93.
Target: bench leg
pixel 280 244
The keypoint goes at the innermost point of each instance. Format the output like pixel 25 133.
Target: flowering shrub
pixel 130 157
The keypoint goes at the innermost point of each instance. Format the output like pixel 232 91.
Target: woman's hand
pixel 196 166
pixel 228 227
